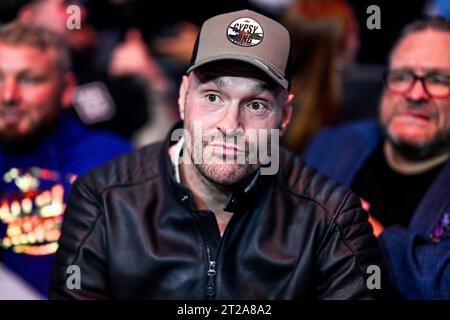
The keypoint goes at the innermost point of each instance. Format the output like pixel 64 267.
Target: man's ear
pixel 69 89
pixel 287 113
pixel 183 95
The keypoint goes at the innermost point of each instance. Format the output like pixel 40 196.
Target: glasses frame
pixel 416 78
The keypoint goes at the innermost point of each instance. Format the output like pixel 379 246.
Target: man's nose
pixel 10 92
pixel 231 121
pixel 418 92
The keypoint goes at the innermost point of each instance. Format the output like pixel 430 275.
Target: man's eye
pixel 32 79
pixel 257 106
pixel 212 98
pixel 438 79
pixel 398 77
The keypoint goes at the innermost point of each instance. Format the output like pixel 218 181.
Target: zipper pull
pixel 210 290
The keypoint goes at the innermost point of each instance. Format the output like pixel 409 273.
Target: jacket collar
pixel 239 201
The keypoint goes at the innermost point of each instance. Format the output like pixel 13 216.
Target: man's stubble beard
pixel 216 169
pixel 423 150
pixel 24 144
pixel 227 175
pixel 428 149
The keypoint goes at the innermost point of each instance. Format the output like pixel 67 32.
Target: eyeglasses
pixel 436 84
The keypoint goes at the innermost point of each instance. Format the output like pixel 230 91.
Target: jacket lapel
pixel 433 205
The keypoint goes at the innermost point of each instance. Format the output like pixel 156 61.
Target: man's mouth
pixel 11 117
pixel 225 149
pixel 420 118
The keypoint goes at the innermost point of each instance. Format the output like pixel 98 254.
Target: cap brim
pixel 267 69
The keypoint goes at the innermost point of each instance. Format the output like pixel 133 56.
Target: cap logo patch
pixel 245 32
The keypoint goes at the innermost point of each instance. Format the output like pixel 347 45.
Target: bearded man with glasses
pixel 400 165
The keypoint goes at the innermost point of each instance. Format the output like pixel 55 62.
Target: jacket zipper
pixel 211 273
pixel 211 287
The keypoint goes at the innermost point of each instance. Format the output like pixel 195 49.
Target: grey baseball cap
pixel 245 36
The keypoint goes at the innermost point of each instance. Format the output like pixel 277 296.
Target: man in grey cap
pixel 218 211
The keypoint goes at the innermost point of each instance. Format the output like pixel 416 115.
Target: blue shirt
pixel 34 189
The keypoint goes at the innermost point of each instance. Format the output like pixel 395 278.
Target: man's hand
pixel 376 225
pixel 133 57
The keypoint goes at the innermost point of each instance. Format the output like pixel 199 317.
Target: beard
pixel 227 175
pixel 23 144
pixel 228 170
pixel 430 148
pixel 224 170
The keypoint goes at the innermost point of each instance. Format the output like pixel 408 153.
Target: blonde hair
pixel 19 33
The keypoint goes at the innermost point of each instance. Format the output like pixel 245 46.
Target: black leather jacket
pixel 134 233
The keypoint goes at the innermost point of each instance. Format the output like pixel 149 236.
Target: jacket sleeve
pixel 350 262
pixel 79 270
pixel 419 269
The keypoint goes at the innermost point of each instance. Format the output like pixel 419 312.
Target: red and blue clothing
pixel 33 193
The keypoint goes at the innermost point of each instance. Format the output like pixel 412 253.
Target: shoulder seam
pixel 286 188
pixel 129 184
pixel 84 239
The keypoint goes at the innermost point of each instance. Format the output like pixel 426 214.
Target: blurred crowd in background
pixel 129 56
